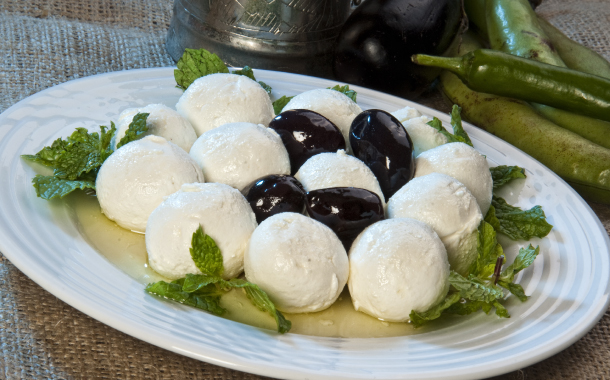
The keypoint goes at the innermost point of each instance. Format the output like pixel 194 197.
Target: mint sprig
pixel 77 159
pixel 503 174
pixel 210 284
pixel 196 63
pixel 479 291
pixel 280 103
pixel 248 72
pixel 459 134
pixel 345 91
pixel 136 129
pixel 516 223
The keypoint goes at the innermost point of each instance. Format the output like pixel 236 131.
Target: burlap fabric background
pixel 44 43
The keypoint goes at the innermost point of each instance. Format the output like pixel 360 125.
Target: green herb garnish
pixel 459 134
pixel 203 291
pixel 76 159
pixel 345 91
pixel 503 174
pixel 195 64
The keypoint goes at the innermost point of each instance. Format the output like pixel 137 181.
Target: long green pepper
pixel 507 75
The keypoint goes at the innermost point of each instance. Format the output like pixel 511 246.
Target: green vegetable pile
pixel 538 90
pixel 76 159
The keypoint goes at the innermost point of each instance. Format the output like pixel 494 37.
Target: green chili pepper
pixel 502 74
pixel 583 164
pixel 513 28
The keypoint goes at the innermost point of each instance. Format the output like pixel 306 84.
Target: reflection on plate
pixel 568 282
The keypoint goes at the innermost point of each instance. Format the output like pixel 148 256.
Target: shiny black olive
pixel 346 210
pixel 306 133
pixel 273 194
pixel 382 143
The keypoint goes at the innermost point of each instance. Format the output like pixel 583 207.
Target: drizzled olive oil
pixel 127 251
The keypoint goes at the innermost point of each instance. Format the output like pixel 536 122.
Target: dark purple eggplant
pixel 375 45
pixel 273 194
pixel 346 210
pixel 382 143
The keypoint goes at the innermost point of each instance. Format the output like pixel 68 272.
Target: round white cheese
pixel 161 121
pixel 236 154
pixel 217 99
pixel 449 208
pixel 299 262
pixel 396 266
pixel 133 181
pixel 338 169
pixel 463 163
pixel 222 212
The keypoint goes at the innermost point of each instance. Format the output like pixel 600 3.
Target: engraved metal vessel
pixel 285 35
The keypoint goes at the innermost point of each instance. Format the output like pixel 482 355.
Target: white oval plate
pixel 568 282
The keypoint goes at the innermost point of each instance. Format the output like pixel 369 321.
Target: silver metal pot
pixel 285 35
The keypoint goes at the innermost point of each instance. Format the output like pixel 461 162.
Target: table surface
pixel 44 43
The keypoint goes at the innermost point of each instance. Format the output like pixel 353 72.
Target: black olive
pixel 382 143
pixel 375 45
pixel 346 210
pixel 306 133
pixel 273 194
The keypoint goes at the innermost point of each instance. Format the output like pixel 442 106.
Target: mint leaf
pixel 438 125
pixel 500 310
pixel 456 123
pixel 280 103
pixel 136 129
pixel 520 224
pixel 524 259
pixel 419 319
pixel 515 289
pixel 195 64
pixel 206 254
pixel 246 71
pixel 201 283
pixel 503 174
pixel 83 152
pixel 50 187
pixel 260 299
pixel 468 307
pixel 474 289
pixel 488 251
pixel 492 219
pixel 345 91
pixel 49 155
pixel 173 291
pixel 265 87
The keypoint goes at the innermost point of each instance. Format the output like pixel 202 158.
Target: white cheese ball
pixel 238 153
pixel 405 114
pixel 133 181
pixel 222 212
pixel 423 136
pixel 299 262
pixel 396 266
pixel 161 121
pixel 338 169
pixel 463 163
pixel 331 104
pixel 449 208
pixel 217 99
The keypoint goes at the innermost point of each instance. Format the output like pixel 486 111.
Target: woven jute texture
pixel 44 43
